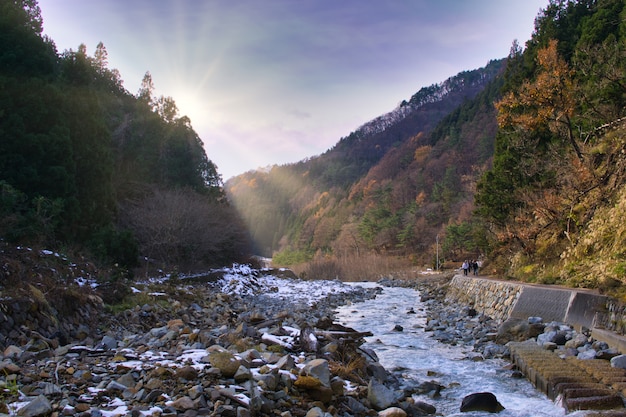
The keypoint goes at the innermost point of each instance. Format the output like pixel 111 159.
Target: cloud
pixel 281 80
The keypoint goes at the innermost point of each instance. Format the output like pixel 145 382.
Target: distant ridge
pixel 432 94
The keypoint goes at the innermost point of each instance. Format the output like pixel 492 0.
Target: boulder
pixel 225 362
pixel 481 401
pixel 392 412
pixel 379 396
pixel 39 406
pixel 619 361
pixel 512 330
pixel 318 368
pixel 315 412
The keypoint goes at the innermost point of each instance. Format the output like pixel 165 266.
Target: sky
pixel 276 81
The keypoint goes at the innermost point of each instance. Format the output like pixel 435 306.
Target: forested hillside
pixel 527 171
pixel 87 166
pixel 555 196
pixel 389 187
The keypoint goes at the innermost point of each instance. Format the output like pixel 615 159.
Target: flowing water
pixel 417 357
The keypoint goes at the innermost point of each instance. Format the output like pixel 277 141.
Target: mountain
pixel 522 163
pixel 377 188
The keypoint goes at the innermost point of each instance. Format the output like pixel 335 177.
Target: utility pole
pixel 437 245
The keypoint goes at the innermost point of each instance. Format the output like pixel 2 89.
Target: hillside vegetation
pixel 525 170
pixel 389 187
pixel 521 163
pixel 553 197
pixel 89 168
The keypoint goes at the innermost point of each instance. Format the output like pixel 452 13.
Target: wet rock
pixel 420 408
pixel 429 388
pixel 481 401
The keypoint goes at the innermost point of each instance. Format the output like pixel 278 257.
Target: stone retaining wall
pixel 502 300
pixel 493 298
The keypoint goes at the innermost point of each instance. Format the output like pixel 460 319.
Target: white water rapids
pixel 417 357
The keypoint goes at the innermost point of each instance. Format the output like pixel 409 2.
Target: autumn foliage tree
pixel 555 163
pixel 548 101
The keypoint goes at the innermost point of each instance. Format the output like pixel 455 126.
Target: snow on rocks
pixel 246 343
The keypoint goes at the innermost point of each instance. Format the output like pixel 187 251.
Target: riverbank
pixel 242 342
pixel 562 359
pixel 239 344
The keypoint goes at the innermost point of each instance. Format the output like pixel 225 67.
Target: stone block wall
pixel 493 298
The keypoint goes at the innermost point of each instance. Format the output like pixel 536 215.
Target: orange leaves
pixel 548 100
pixel 421 153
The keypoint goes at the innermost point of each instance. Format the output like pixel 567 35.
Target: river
pixel 416 357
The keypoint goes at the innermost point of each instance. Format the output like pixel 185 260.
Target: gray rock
pixel 242 374
pixel 587 354
pixel 108 342
pixel 319 369
pixel 548 336
pixel 115 386
pixel 577 341
pixel 619 362
pixel 355 406
pixel 195 391
pixel 39 406
pixel 315 412
pixel 127 380
pixel 379 396
pixel 267 381
pixel 285 363
pixel 158 332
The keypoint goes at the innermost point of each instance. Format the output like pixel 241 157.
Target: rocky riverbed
pixel 462 324
pixel 239 343
pixel 244 343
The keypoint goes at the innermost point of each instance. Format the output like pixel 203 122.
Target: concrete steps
pixel 576 384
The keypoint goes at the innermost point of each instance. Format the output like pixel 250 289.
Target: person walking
pixel 465 267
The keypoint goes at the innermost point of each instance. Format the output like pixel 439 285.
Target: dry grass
pixel 370 267
pixel 354 370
